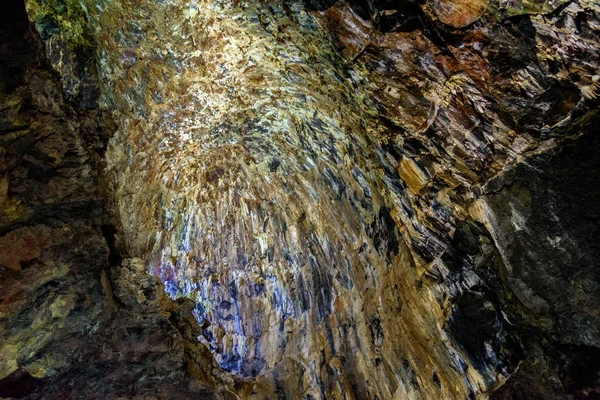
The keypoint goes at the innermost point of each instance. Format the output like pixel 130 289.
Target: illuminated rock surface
pixel 362 200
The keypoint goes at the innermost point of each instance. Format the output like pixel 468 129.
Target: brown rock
pixel 21 245
pixel 459 13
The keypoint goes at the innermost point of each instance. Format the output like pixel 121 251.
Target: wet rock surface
pixel 353 199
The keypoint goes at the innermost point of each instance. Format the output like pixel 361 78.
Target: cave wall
pixel 76 321
pixel 363 200
pixel 489 119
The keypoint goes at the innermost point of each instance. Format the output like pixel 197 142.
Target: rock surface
pixel 362 199
pixel 73 325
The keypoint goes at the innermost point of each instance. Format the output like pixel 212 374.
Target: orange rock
pixel 459 13
pixel 413 175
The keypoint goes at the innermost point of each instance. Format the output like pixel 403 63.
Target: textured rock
pixel 491 106
pixel 362 200
pixel 71 324
pixel 459 13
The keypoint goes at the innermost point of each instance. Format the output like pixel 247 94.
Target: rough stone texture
pixel 247 179
pixel 495 125
pixel 73 325
pixel 363 200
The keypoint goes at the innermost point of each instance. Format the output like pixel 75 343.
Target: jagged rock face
pixel 260 195
pixel 364 200
pixel 73 323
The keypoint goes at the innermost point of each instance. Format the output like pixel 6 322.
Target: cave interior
pixel 300 199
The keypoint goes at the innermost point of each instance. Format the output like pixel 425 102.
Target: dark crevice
pixel 114 256
pixel 19 384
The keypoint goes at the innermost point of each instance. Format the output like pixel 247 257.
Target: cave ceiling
pixel 301 200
